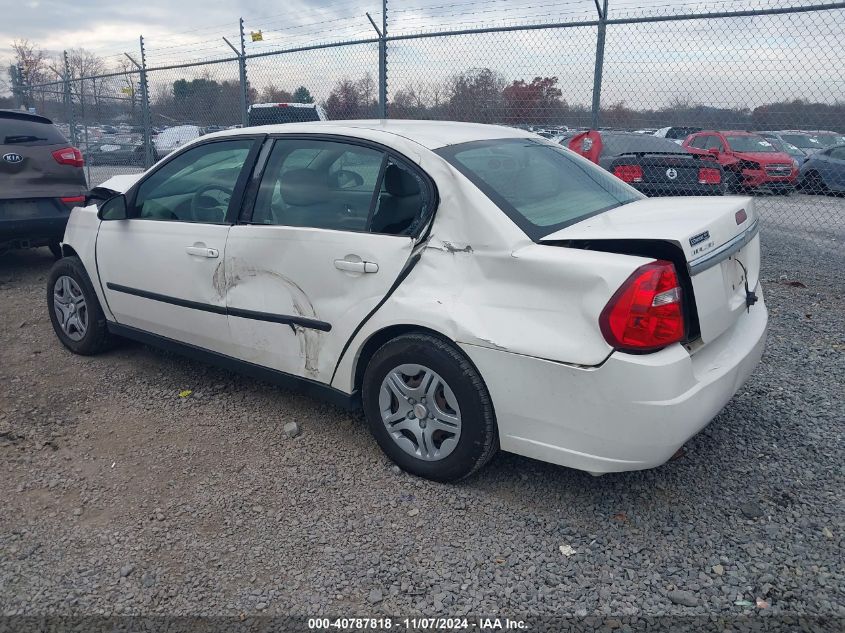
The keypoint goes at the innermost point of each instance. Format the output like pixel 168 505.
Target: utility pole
pixel 600 37
pixel 241 55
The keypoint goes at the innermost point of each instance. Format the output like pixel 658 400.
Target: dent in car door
pixel 158 268
pixel 295 292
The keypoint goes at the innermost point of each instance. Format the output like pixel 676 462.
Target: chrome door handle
pixel 356 267
pixel 202 251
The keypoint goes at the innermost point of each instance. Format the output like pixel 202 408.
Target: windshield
pixel 783 146
pixel 829 140
pixel 541 187
pixel 804 141
pixel 750 143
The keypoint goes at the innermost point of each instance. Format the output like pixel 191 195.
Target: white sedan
pixel 472 287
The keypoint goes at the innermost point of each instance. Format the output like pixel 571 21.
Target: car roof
pixel 429 134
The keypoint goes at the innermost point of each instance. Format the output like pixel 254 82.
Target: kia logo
pixel 671 173
pixel 12 158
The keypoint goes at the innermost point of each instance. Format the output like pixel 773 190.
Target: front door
pixel 161 269
pixel 332 227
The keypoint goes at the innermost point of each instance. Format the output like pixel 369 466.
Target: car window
pixel 713 142
pixel 16 130
pixel 318 184
pixel 540 186
pixel 699 142
pixel 403 202
pixel 616 144
pixel 195 186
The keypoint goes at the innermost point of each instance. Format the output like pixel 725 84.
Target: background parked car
pixel 275 113
pixel 749 160
pixel 174 137
pixel 782 145
pixel 117 150
pixel 824 171
pixel 41 179
pixel 677 134
pixel 807 143
pixel 656 166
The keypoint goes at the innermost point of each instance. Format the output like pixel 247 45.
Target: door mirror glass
pixel 113 209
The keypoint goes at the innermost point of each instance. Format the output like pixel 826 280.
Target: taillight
pixel 72 201
pixel 645 314
pixel 69 156
pixel 629 173
pixel 709 176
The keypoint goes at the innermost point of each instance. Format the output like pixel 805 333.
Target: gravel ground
pixel 120 497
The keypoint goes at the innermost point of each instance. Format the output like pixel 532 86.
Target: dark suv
pixel 41 180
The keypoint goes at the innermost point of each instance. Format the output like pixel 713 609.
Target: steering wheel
pixel 206 208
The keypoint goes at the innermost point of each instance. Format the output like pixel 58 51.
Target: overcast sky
pixel 728 62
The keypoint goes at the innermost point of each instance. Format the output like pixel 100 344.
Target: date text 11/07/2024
pixel 415 624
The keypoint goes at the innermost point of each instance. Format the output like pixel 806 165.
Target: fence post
pixel 382 63
pixel 145 107
pixel 599 67
pixel 244 84
pixel 69 102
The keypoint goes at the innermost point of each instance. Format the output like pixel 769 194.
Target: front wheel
pixel 428 408
pixel 75 311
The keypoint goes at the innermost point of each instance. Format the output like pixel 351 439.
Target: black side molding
pixel 347 401
pixel 285 319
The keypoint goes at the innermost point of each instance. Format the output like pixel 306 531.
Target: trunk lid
pixel 717 237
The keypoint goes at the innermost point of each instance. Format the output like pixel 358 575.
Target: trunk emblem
pixel 698 239
pixel 11 157
pixel 741 216
pixel 671 173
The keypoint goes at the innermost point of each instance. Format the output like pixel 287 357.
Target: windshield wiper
pixel 22 138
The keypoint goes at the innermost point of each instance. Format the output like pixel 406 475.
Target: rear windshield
pixel 749 143
pixel 615 144
pixel 28 133
pixel 282 114
pixel 681 132
pixel 540 186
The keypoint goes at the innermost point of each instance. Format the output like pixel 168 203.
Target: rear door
pixel 331 229
pixel 162 268
pixel 36 161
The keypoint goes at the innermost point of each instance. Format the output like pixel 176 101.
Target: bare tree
pixel 85 67
pixel 32 67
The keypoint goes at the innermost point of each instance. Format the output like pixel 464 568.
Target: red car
pixel 749 160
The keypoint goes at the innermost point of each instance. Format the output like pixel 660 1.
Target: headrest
pixel 400 183
pixel 304 187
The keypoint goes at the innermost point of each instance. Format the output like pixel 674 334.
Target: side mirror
pixel 714 151
pixel 114 208
pixel 345 179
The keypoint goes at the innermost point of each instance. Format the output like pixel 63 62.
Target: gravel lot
pixel 120 497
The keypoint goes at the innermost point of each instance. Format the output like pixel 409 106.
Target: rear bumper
pixel 631 413
pixel 36 220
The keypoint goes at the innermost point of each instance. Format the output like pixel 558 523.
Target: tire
pixel 89 334
pixel 459 454
pixel 55 249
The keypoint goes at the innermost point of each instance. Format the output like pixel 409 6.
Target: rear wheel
pixel 428 408
pixel 75 311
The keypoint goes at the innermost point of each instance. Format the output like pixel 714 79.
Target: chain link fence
pixel 773 67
